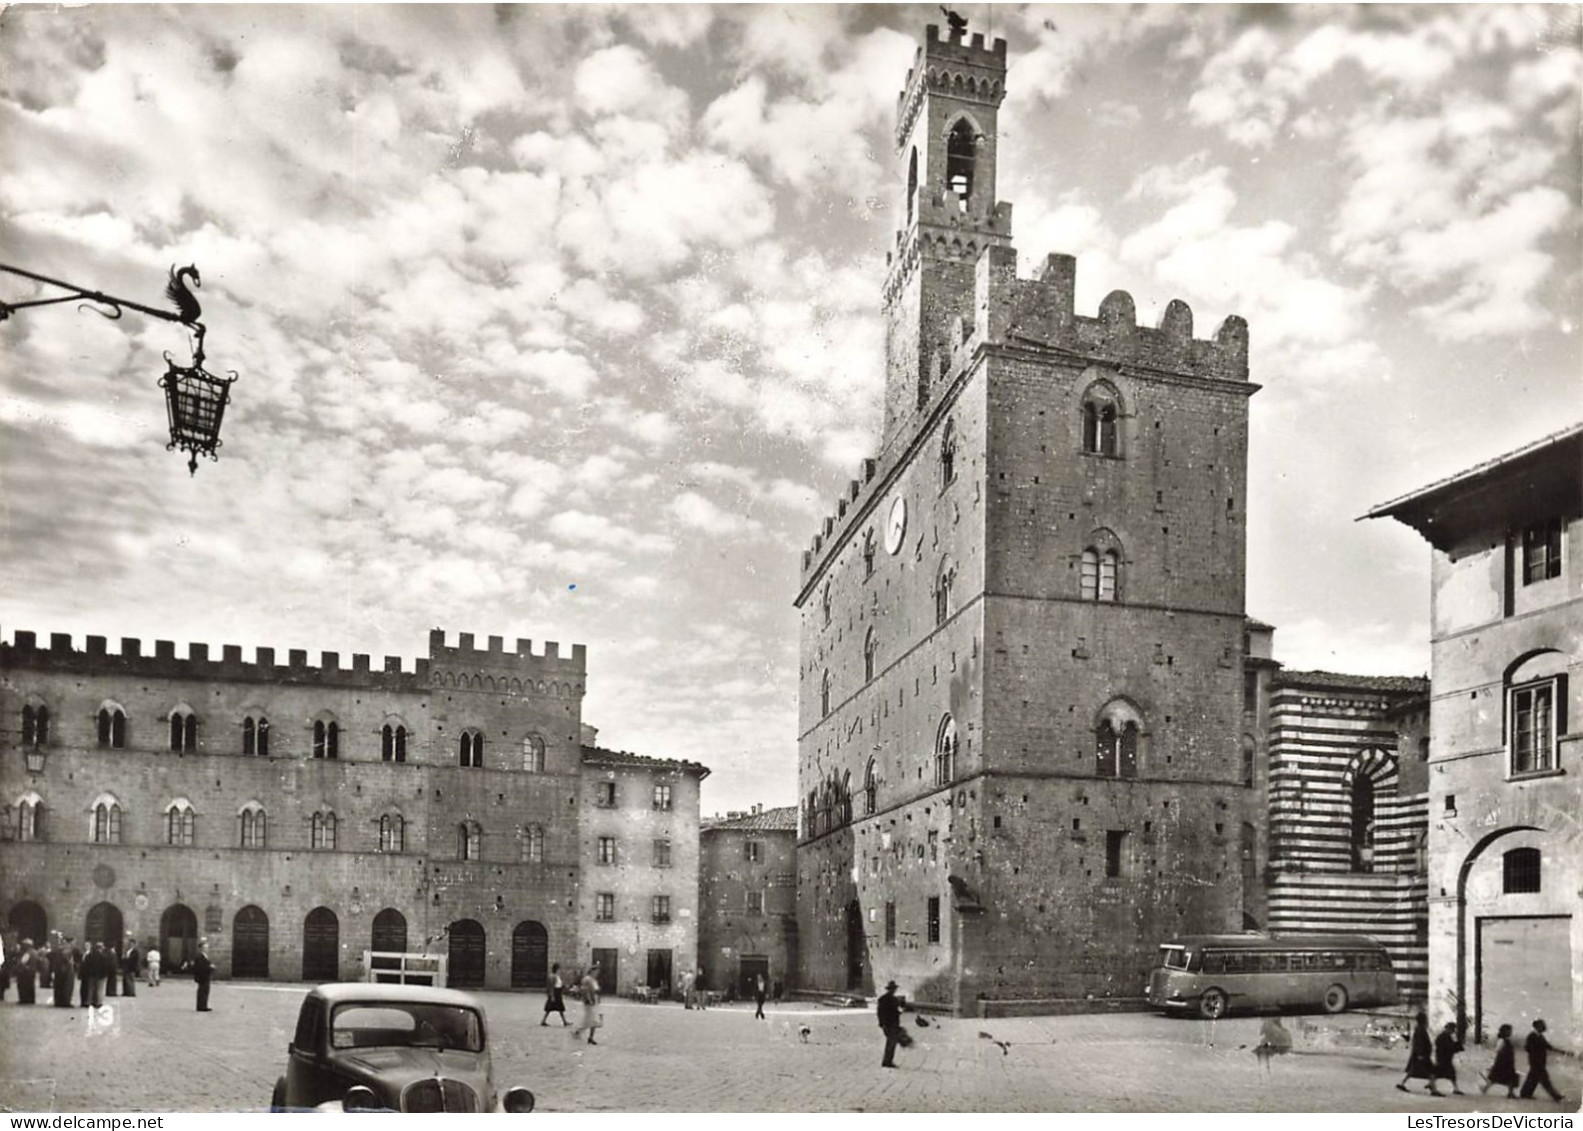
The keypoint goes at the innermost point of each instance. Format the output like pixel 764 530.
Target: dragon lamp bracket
pixel 195 399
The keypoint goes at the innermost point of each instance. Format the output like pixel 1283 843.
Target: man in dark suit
pixel 202 972
pixel 1538 1048
pixel 129 964
pixel 889 1011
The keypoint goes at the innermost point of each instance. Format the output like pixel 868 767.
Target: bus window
pixel 1272 963
pixel 1214 962
pixel 1173 957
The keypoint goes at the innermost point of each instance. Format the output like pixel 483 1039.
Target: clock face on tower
pixel 896 526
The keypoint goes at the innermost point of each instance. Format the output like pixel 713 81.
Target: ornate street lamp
pixel 195 399
pixel 34 757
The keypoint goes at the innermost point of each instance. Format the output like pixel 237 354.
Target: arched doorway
pixel 389 936
pixel 854 946
pixel 467 953
pixel 28 921
pixel 103 926
pixel 250 943
pixel 321 946
pixel 530 956
pixel 178 937
pixel 390 931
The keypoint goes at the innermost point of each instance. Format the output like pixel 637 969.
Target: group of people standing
pixel 94 971
pixel 62 965
pixel 1435 1060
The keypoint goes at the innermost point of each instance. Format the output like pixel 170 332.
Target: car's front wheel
pixel 277 1100
pixel 1212 1004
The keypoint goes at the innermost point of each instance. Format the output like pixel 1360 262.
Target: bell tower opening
pixel 961 153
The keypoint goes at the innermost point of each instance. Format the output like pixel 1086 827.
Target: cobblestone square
pixel 154 1053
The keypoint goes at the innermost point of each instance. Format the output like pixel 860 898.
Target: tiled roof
pixel 783 819
pixel 599 756
pixel 1414 684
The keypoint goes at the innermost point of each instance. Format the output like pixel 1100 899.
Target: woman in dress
pixel 555 998
pixel 1421 1057
pixel 1504 1070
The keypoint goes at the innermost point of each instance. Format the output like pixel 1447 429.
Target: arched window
pixel 533 754
pixel 393 743
pixel 254 826
pixel 961 159
pixel 870 790
pixel 30 817
pixel 183 730
pixel 944 580
pixel 326 738
pixel 1520 871
pixel 181 824
pixel 1101 420
pixel 392 833
pixel 824 694
pixel 255 736
pixel 1100 570
pixel 948 455
pixel 1535 712
pixel 1248 758
pixel 533 844
pixel 324 828
pixel 106 821
pixel 470 837
pixel 870 550
pixel 945 752
pixel 112 726
pixel 1362 842
pixel 912 185
pixel 870 651
pixel 35 725
pixel 472 748
pixel 824 603
pixel 1116 740
pixel 844 798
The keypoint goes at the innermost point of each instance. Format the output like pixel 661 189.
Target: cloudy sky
pixel 562 322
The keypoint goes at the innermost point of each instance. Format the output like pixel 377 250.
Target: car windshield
pixel 406 1025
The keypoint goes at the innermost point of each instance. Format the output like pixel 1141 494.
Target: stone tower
pixel 946 125
pixel 1022 626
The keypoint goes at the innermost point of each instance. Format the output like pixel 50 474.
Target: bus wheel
pixel 1335 999
pixel 1212 1004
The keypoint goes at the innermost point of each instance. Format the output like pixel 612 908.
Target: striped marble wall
pixel 1346 839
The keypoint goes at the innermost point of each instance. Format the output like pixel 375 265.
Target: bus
pixel 1210 974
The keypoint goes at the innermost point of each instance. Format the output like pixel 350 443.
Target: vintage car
pixel 370 1047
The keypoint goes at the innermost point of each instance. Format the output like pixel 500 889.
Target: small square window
pixel 660 909
pixel 605 794
pixel 662 853
pixel 607 850
pixel 605 907
pixel 1542 551
pixel 754 852
pixel 1115 854
pixel 755 903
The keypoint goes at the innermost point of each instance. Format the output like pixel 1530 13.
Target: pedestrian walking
pixel 760 992
pixel 112 968
pixel 589 992
pixel 698 989
pixel 1538 1048
pixel 555 998
pixel 26 973
pixel 1504 1070
pixel 1274 1041
pixel 202 971
pixel 153 965
pixel 1446 1048
pixel 687 989
pixel 129 964
pixel 889 1012
pixel 1420 1055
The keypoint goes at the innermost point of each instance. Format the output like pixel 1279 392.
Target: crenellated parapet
pixel 95 658
pixel 491 668
pixel 496 669
pixel 965 69
pixel 1040 313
